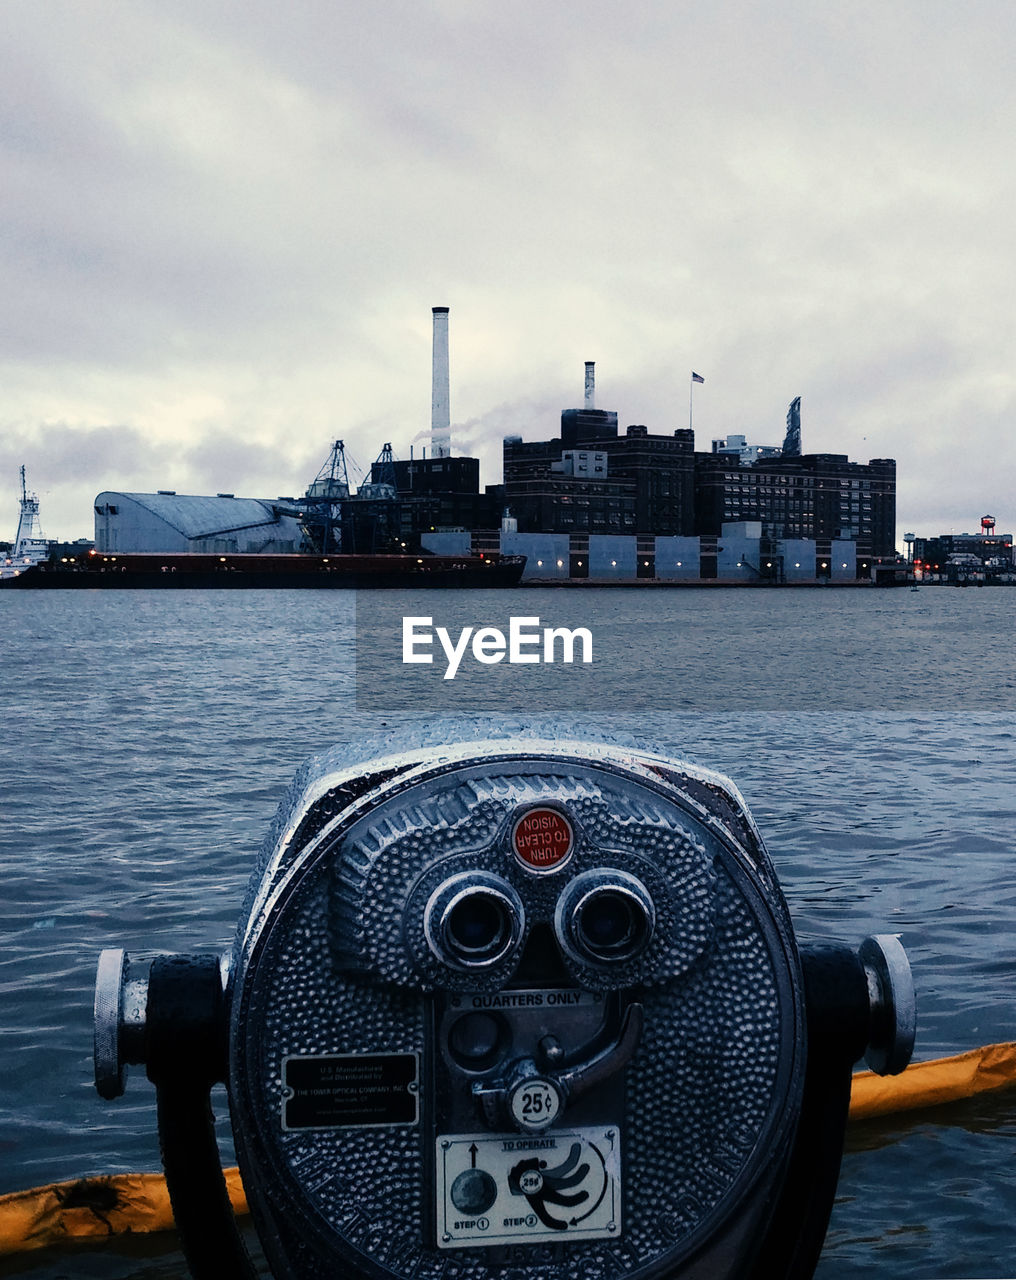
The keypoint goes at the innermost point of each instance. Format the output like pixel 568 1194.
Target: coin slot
pixel 478 1040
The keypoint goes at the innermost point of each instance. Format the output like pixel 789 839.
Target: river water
pixel 147 737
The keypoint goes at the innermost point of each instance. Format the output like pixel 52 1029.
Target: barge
pixel 183 570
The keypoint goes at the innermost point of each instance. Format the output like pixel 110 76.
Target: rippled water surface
pixel 147 737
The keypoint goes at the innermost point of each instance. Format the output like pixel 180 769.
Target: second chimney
pixel 590 384
pixel 440 406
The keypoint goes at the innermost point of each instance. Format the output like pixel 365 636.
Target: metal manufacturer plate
pixel 350 1090
pixel 563 1185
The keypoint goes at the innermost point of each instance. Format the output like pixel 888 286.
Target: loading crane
pixel 336 520
pixel 322 504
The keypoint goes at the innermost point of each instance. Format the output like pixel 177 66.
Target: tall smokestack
pixel 440 406
pixel 590 384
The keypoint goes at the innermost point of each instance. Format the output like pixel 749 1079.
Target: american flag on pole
pixel 697 377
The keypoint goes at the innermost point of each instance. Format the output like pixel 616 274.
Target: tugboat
pixel 30 547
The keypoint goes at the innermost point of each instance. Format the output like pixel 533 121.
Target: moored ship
pixel 182 570
pixel 30 548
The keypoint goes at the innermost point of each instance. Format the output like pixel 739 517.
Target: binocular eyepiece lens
pixel 605 917
pixel 473 920
pixel 608 922
pixel 477 924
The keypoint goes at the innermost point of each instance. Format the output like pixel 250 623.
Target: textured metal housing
pixel 331 958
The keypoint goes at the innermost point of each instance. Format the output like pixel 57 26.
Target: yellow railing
pixel 139 1202
pixel 929 1084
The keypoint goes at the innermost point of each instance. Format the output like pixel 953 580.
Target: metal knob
pixel 892 1001
pixel 118 1021
pixel 110 1069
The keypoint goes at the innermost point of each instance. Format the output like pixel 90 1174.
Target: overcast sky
pixel 224 226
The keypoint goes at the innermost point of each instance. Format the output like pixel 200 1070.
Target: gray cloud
pixel 228 226
pixel 227 462
pixel 63 454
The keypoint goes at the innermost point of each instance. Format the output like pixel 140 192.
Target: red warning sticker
pixel 542 839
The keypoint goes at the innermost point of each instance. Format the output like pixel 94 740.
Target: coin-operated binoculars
pixel 510 1008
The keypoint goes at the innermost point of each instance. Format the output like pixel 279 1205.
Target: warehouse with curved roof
pixel 168 521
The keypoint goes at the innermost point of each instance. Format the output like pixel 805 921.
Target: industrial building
pixel 387 513
pixel 402 500
pixel 591 480
pixel 739 555
pixel 737 446
pixel 168 521
pixel 821 496
pixel 591 503
pixel 955 555
pixel 439 492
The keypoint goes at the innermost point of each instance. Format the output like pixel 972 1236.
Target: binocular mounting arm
pixel 174 1022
